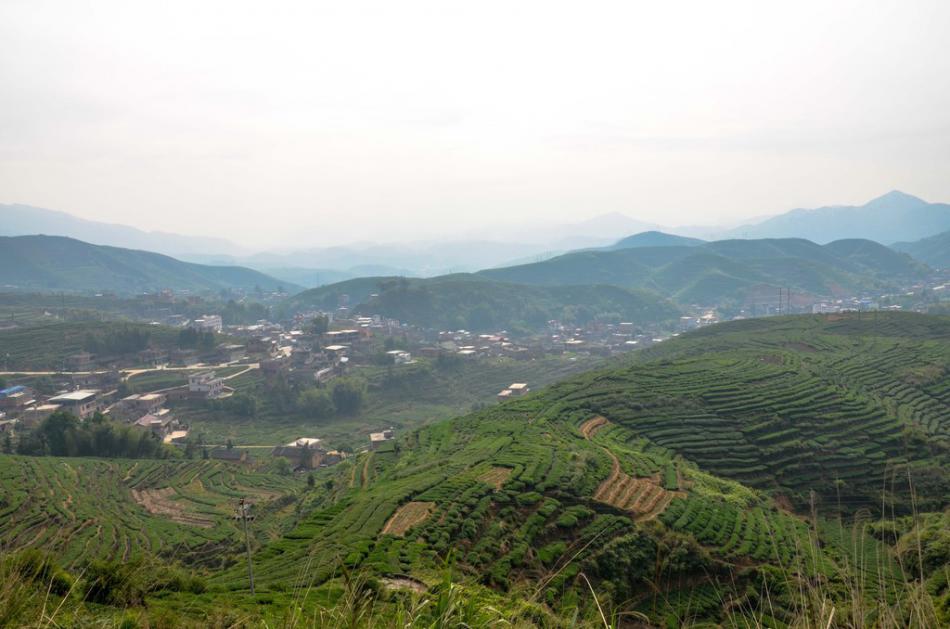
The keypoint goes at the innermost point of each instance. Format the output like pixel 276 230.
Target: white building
pixel 399 356
pixel 207 323
pixel 82 403
pixel 206 384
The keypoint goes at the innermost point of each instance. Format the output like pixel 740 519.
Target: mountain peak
pixel 895 199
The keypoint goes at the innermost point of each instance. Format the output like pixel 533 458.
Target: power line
pixel 243 507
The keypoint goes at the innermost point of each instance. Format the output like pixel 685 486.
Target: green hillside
pixel 693 446
pixel 755 473
pixel 53 263
pixel 728 270
pixel 45 346
pixel 124 509
pixel 933 251
pixel 473 302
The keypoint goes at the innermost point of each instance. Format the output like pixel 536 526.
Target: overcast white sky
pixel 310 122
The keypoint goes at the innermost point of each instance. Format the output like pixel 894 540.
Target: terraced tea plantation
pixel 732 476
pixel 87 508
pixel 696 446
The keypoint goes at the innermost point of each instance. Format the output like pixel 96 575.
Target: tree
pixel 7 444
pixel 348 395
pixel 62 434
pixel 282 465
pixel 310 480
pixel 230 445
pixel 242 404
pixel 320 324
pixel 316 403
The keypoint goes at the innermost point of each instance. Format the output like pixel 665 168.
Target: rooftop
pixel 75 396
pixel 303 441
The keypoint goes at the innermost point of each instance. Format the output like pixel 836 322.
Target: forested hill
pixel 727 270
pixel 54 263
pixel 934 251
pixel 713 449
pixel 654 239
pixel 476 303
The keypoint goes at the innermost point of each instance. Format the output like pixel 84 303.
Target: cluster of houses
pixel 303 453
pixel 602 339
pixel 24 408
pixel 21 406
pixel 468 345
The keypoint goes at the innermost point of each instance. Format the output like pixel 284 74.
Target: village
pixel 312 348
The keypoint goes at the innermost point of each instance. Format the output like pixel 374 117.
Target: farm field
pixel 43 346
pixel 732 476
pixel 179 510
pixel 691 463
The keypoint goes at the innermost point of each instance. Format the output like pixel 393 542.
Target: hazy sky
pixel 296 122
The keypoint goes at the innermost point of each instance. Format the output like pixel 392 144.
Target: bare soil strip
pixel 404 583
pixel 592 425
pixel 160 502
pixel 496 476
pixel 644 498
pixel 407 516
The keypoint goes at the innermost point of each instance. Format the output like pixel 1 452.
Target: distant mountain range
pixel 25 220
pixel 934 251
pixel 893 217
pixel 54 263
pixel 726 271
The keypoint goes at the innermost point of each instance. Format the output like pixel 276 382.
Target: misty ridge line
pixel 893 217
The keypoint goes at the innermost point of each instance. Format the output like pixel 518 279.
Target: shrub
pixel 35 566
pixel 316 403
pixel 114 583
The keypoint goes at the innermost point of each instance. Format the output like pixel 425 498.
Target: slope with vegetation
pixel 125 509
pixel 933 251
pixel 768 472
pixel 476 303
pixel 728 270
pixel 655 239
pixel 687 500
pixel 53 263
pixel 45 347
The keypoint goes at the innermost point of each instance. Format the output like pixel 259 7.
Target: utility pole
pixel 243 506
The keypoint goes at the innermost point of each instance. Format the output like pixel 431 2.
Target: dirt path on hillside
pixel 365 480
pixel 643 498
